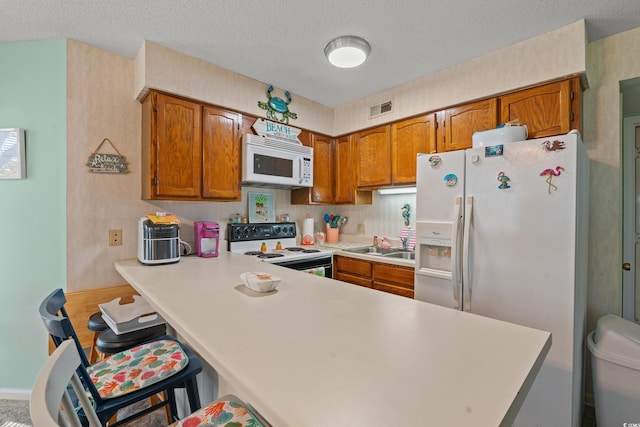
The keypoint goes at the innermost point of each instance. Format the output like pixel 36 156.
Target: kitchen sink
pixel 370 250
pixel 400 254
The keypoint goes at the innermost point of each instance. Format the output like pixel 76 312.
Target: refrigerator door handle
pixel 456 276
pixel 466 268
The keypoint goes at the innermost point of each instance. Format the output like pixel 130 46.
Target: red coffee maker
pixel 207 238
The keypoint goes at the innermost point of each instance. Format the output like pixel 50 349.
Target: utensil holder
pixel 332 234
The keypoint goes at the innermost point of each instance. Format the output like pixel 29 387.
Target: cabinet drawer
pixel 393 289
pixel 393 275
pixel 353 266
pixel 356 280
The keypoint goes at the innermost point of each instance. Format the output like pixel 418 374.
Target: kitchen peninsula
pixel 320 352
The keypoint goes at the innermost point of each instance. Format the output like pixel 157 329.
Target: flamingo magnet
pixel 504 181
pixel 550 173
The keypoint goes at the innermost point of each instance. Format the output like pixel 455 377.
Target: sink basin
pixel 401 255
pixel 370 250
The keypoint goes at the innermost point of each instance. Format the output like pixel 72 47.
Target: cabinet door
pixel 178 148
pixel 546 110
pixel 344 173
pixel 323 175
pixel 356 271
pixel 408 138
pixel 373 159
pixel 394 279
pixel 461 122
pixel 220 155
pixel 322 191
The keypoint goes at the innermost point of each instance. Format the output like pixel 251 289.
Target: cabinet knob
pixel 626 266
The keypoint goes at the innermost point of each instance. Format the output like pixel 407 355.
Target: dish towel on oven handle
pixel 318 271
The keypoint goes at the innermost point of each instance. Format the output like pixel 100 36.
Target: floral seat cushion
pixel 137 368
pixel 228 411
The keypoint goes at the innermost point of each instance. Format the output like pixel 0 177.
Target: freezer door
pixel 440 179
pixel 437 269
pixel 440 190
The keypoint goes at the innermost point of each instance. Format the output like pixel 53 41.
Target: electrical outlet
pixel 115 237
pixel 361 229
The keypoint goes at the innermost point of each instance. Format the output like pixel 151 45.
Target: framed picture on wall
pixel 261 207
pixel 12 154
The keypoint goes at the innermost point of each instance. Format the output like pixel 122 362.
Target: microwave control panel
pixel 306 176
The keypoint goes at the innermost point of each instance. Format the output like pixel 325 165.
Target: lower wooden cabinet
pixel 352 270
pixel 395 279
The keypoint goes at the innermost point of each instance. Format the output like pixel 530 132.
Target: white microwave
pixel 271 162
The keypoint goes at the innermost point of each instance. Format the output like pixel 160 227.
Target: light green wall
pixel 32 211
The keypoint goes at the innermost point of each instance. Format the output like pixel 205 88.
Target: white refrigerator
pixel 502 232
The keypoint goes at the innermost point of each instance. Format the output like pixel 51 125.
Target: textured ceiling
pixel 281 42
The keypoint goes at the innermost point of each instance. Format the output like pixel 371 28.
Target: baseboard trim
pixel 15 394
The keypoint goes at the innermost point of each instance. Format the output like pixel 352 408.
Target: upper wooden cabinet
pixel 346 177
pixel 408 138
pixel 322 191
pixel 189 152
pixel 221 155
pixel 373 154
pixel 171 148
pixel 551 109
pixel 459 123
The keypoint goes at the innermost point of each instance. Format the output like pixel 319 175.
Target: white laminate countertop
pixel 320 352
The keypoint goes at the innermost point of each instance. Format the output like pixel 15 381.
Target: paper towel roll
pixel 307 231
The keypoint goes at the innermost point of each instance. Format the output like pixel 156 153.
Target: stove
pixel 279 238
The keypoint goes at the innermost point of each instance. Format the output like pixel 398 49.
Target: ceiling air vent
pixel 380 109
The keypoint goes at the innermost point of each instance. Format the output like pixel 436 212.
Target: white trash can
pixel 615 362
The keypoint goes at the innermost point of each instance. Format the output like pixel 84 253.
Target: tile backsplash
pixel 382 218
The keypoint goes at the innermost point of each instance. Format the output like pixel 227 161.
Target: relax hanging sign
pixel 106 162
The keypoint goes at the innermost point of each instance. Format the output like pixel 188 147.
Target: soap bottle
pixel 375 241
pixel 263 248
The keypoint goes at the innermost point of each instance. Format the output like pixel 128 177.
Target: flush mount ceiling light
pixel 347 51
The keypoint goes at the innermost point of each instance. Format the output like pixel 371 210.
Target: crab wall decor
pixel 275 106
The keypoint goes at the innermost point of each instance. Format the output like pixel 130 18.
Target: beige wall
pixel 99 105
pixel 609 61
pixel 552 55
pixel 160 68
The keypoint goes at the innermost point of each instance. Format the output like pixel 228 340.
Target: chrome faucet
pixel 405 243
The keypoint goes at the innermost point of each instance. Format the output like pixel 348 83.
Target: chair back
pixel 50 404
pixel 57 322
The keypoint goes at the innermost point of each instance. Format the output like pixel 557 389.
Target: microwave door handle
pixel 300 170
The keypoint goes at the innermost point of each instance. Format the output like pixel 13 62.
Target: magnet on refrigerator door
pixel 496 150
pixel 550 173
pixel 450 179
pixel 504 181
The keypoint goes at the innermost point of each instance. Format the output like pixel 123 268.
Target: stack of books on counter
pixel 123 318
